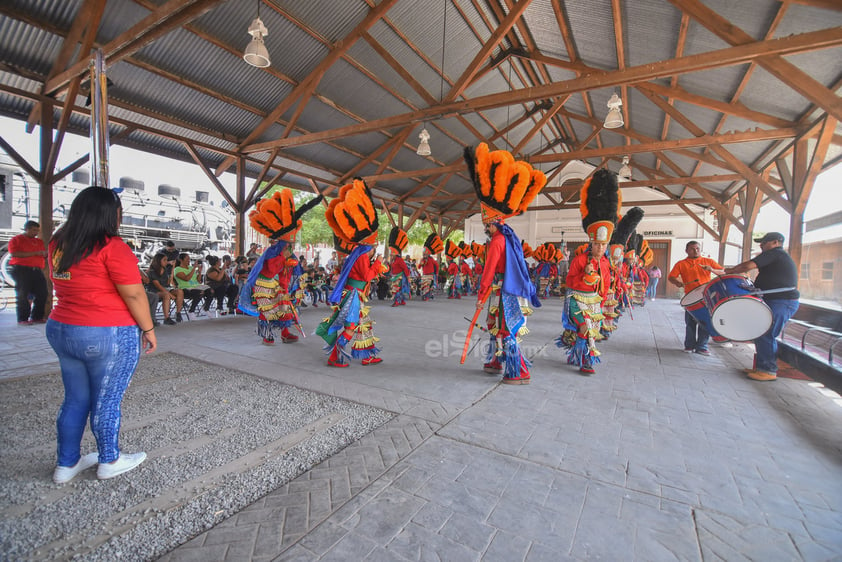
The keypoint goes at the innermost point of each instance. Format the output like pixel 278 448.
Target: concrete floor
pixel 659 456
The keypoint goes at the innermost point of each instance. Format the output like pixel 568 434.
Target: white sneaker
pixel 64 474
pixel 124 463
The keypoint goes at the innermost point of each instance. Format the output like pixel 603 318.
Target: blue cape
pixel 516 278
pixel 336 295
pixel 272 251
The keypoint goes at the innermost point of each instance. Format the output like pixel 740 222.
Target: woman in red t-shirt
pixel 97 329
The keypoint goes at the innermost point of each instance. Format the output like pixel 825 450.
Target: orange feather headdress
pixel 451 250
pixel 277 217
pixel 352 216
pixel 398 239
pixel 528 252
pixel 505 186
pixel 434 243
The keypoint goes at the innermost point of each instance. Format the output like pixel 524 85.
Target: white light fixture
pixel 614 118
pixel 424 135
pixel 625 172
pixel 424 145
pixel 256 53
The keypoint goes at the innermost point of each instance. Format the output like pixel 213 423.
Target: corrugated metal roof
pixel 203 90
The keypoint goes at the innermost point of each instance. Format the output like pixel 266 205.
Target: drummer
pixel 689 273
pixel 778 278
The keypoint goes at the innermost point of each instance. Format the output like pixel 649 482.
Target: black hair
pixel 31 224
pixel 156 262
pixel 690 243
pixel 93 219
pixel 212 260
pixel 182 255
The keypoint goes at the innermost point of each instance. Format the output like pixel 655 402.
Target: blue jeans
pixel 695 335
pixel 766 345
pixel 97 364
pixel 653 287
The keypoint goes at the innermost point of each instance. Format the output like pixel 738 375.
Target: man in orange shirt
pixel 694 270
pixel 27 262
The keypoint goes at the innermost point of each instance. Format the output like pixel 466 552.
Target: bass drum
pixel 734 311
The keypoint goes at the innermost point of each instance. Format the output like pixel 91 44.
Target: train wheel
pixel 6 270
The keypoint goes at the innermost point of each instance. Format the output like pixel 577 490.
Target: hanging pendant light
pixel 256 53
pixel 424 145
pixel 625 172
pixel 424 135
pixel 614 119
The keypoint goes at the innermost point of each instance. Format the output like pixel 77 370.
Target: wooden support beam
pixel 235 205
pixel 20 160
pixel 730 56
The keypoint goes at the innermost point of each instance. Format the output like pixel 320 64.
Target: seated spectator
pixel 161 282
pixel 151 295
pixel 227 266
pixel 187 279
pixel 218 280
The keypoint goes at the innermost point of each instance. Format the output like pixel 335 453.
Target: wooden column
pixel 45 206
pixel 240 223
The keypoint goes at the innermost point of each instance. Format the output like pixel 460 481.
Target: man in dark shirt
pixel 776 270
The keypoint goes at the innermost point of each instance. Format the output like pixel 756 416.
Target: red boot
pixel 371 360
pixel 287 336
pixel 335 358
pixel 493 368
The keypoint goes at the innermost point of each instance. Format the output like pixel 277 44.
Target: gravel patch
pixel 217 441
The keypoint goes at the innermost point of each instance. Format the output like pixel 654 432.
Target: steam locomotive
pixel 197 226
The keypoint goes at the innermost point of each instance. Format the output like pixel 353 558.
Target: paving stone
pixel 386 514
pixel 350 547
pixel 432 516
pixel 417 543
pixel 506 547
pixel 468 531
pixel 323 538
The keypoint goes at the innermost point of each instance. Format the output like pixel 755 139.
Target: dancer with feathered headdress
pixel 465 270
pixel 589 275
pixel 618 298
pixel 546 272
pixel 266 292
pixel 453 285
pixel 399 281
pixel 353 219
pixel 433 246
pixel 505 188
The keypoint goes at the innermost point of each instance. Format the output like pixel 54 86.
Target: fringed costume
pixel 353 218
pixel 588 278
pixel 465 270
pixel 266 292
pixel 505 188
pixel 430 266
pixel 453 285
pixel 546 273
pixel 617 287
pixel 398 270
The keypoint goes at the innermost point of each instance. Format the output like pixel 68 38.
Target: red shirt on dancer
pixel 466 269
pixel 576 278
pixel 364 269
pixel 429 266
pixel 495 262
pixel 399 266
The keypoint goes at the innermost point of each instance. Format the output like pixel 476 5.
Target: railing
pixel 817 341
